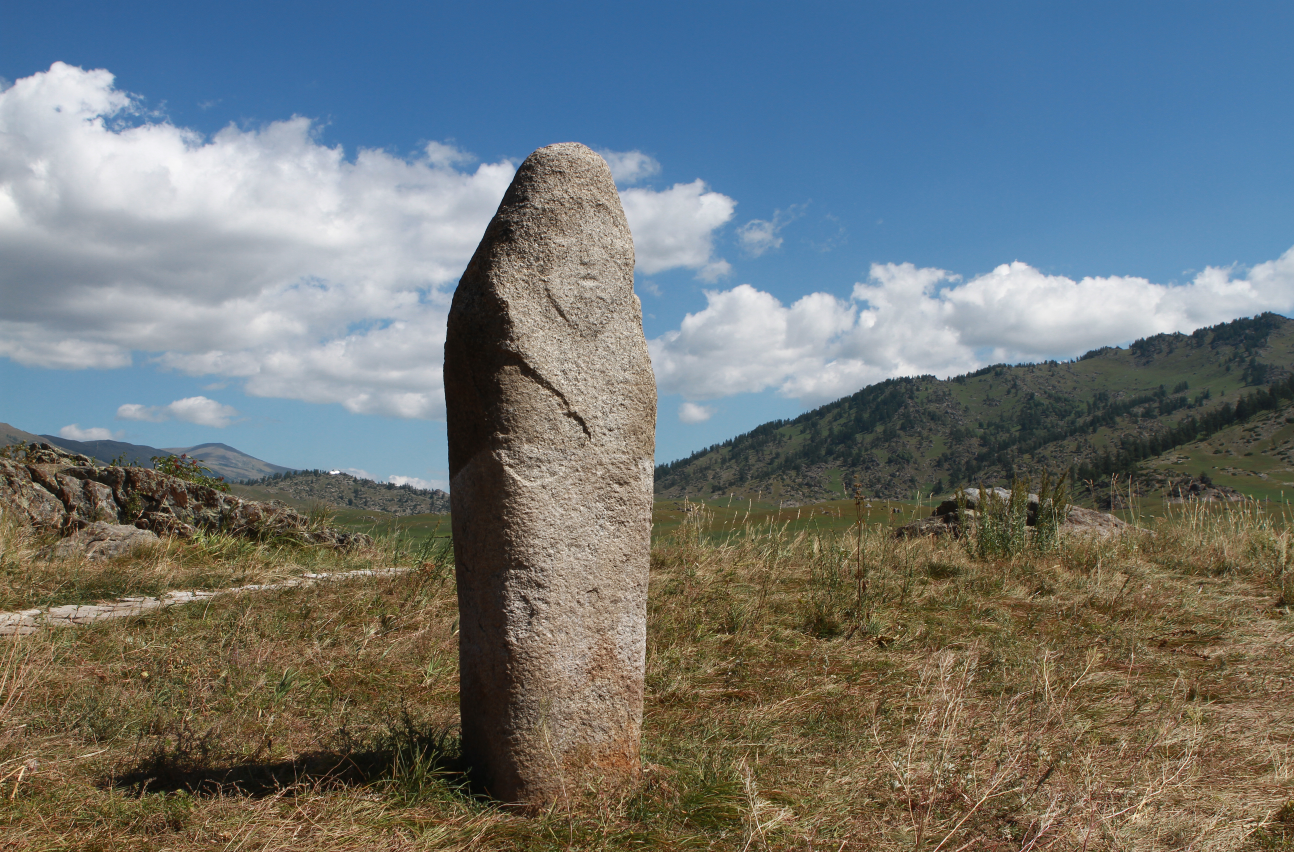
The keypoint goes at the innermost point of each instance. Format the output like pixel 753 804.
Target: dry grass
pixel 208 561
pixel 1116 694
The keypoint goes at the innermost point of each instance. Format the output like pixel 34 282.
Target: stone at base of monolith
pixel 551 411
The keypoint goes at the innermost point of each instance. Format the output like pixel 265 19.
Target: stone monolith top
pixel 551 413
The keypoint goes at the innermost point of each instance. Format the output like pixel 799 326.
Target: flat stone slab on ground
pixel 27 621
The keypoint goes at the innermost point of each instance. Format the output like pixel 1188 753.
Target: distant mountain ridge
pixel 255 479
pixel 234 465
pixel 1103 412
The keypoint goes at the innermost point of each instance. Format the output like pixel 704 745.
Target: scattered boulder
pixel 935 525
pixel 972 497
pixel 56 490
pixel 551 412
pixel 944 520
pixel 1001 495
pixel 1080 520
pixel 100 540
pixel 1196 490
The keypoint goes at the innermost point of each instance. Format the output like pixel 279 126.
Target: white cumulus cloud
pixel 675 227
pixel 906 320
pixel 415 482
pixel 690 412
pixel 74 432
pixel 629 167
pixel 193 409
pixel 260 255
pixel 396 479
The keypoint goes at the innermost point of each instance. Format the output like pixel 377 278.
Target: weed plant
pixel 999 528
pixel 190 470
pixel 1130 692
pixel 1053 509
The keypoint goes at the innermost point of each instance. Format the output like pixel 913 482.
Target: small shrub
pixel 1000 529
pixel 16 452
pixel 1001 526
pixel 1053 508
pixel 412 762
pixel 1278 833
pixel 939 570
pixel 190 470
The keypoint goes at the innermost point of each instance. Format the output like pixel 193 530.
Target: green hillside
pixel 1255 457
pixel 303 488
pixel 1108 411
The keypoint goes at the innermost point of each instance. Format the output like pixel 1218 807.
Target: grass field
pixel 1131 693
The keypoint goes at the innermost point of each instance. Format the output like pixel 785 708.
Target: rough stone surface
pixel 1090 521
pixel 101 540
pixel 551 409
pixel 53 489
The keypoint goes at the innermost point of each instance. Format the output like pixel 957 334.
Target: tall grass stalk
pixel 1001 524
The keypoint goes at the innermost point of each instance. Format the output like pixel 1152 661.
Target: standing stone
pixel 551 410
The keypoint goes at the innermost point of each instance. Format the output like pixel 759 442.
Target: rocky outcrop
pixel 550 411
pixel 945 519
pixel 1195 490
pixel 53 489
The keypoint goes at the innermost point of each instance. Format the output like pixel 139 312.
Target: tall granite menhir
pixel 551 407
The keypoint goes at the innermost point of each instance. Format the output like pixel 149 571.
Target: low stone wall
pixel 56 490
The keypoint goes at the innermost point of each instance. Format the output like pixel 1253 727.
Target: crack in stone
pixel 552 300
pixel 539 379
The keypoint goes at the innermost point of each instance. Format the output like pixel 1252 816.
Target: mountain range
pixel 1220 399
pixel 255 479
pixel 234 465
pixel 1105 413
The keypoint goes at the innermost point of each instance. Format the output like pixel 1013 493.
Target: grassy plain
pixel 1130 693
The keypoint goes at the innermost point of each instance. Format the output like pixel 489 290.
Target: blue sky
pixel 242 222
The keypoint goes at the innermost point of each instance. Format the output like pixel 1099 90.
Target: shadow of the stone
pixel 409 765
